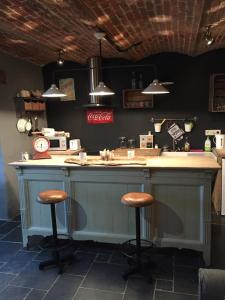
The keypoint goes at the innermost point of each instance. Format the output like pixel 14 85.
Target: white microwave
pixel 57 143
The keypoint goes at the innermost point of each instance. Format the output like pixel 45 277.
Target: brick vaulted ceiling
pixel 34 29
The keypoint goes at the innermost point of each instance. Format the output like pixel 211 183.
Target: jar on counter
pixel 131 143
pixel 122 142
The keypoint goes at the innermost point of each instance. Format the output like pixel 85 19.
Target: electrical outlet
pixel 212 131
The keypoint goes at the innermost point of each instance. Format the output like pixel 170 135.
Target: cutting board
pixel 98 162
pixel 66 152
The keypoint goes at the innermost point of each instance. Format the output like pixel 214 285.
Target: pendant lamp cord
pixel 100 59
pixel 100 48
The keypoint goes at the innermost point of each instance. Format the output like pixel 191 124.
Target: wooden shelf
pixel 217 93
pixel 133 99
pixel 31 104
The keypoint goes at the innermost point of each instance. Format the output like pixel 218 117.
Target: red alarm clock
pixel 41 146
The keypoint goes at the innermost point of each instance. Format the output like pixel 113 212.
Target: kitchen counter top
pixel 170 160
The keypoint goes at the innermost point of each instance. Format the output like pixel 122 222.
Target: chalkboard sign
pixel 217 93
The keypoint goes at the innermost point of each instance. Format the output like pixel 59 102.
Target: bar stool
pixel 137 200
pixel 53 197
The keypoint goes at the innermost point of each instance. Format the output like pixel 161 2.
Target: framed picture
pixel 66 85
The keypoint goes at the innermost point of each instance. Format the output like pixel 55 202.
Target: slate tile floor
pixel 95 274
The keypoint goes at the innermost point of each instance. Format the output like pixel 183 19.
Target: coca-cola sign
pixel 99 116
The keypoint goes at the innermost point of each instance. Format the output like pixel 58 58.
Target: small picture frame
pixel 66 85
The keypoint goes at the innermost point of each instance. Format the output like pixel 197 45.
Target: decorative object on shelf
pixel 24 94
pixel 135 99
pixel 101 89
pixel 207 36
pixel 99 116
pixel 36 93
pixel 53 92
pixel 41 146
pixel 217 93
pixel 60 60
pixel 66 86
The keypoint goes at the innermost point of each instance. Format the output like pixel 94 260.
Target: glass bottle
pixel 131 143
pixel 140 82
pixel 133 81
pixel 186 145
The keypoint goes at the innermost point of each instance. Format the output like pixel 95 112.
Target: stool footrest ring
pixel 128 248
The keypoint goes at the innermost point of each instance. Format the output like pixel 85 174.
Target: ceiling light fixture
pixel 101 89
pixel 53 92
pixel 207 35
pixel 155 87
pixel 60 60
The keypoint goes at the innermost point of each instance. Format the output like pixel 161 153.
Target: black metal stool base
pixel 128 248
pixel 137 270
pixel 48 242
pixel 57 261
pixel 135 253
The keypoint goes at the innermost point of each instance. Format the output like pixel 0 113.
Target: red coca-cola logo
pixel 97 116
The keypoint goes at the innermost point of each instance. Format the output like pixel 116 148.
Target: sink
pixel 185 154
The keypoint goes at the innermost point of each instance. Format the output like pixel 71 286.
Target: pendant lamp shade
pixel 101 90
pixel 155 88
pixel 53 92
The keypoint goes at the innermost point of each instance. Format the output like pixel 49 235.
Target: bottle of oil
pixel 207 147
pixel 186 145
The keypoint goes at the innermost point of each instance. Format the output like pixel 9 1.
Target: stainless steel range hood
pixel 95 77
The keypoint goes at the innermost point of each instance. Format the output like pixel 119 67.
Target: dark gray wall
pixel 189 97
pixel 20 75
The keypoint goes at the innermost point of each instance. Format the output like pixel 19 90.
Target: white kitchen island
pixel 180 182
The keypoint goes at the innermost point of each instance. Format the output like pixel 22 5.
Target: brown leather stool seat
pixel 53 197
pixel 137 200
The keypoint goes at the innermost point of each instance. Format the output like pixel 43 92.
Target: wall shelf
pixel 133 99
pixel 30 104
pixel 217 93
